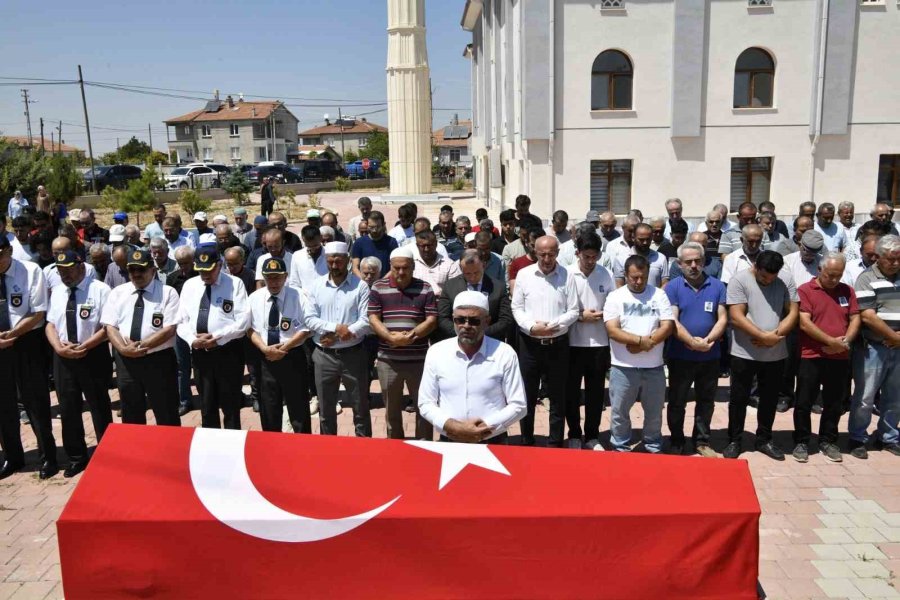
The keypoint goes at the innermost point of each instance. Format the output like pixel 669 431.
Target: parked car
pixel 223 170
pixel 355 170
pixel 193 176
pixel 116 176
pixel 280 171
pixel 318 170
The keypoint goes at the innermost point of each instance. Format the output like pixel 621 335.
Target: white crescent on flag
pixel 220 478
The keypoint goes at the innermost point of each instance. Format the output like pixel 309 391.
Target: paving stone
pixel 839 588
pixel 838 494
pixel 835 521
pixel 831 552
pixel 864 551
pixel 834 536
pixel 835 506
pixel 831 569
pixel 865 534
pixel 868 568
pixel 876 588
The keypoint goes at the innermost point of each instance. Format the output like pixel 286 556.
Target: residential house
pixel 50 146
pixel 234 133
pixel 320 152
pixel 452 144
pixel 345 135
pixel 620 104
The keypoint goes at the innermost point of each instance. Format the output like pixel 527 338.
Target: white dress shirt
pixel 734 263
pixel 619 244
pixel 592 292
pixel 52 274
pixel 304 271
pixel 566 256
pixel 26 292
pixel 90 298
pixel 487 386
pixel 287 258
pixel 797 271
pixel 181 240
pixel 550 298
pixel 852 270
pixel 331 305
pixel 292 313
pixel 161 310
pixel 229 311
pixel 437 274
pixel 19 252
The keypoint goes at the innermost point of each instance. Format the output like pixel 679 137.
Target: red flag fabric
pixel 194 513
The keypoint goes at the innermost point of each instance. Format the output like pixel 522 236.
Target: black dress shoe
pixel 9 468
pixel 74 469
pixel 48 470
pixel 732 450
pixel 183 410
pixel 770 450
pixel 892 448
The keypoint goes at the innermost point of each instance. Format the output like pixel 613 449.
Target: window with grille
pixel 611 81
pixel 612 3
pixel 454 155
pixel 611 186
pixel 754 79
pixel 750 180
pixel 889 179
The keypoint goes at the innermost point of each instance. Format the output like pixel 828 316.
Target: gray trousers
pixel 392 374
pixel 350 367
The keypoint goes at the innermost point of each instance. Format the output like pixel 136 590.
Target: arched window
pixel 611 78
pixel 754 79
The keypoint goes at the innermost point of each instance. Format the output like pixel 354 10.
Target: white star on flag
pixel 455 458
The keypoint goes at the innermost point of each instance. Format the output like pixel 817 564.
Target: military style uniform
pixel 74 317
pixel 221 310
pixel 277 319
pixel 150 379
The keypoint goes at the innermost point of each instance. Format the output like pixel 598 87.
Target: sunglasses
pixel 473 321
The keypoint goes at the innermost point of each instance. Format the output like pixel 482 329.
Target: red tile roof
pixel 361 126
pixel 22 140
pixel 242 111
pixel 454 143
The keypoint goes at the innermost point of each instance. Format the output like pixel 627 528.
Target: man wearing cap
pixel 82 366
pixel 116 235
pixel 120 218
pixel 241 226
pixel 140 318
pixel 314 217
pixel 278 328
pixel 308 265
pixel 402 313
pixel 51 273
pixel 273 242
pixel 23 305
pixel 493 397
pixel 338 317
pixel 200 222
pixel 214 316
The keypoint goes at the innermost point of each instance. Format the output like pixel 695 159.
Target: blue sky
pixel 271 48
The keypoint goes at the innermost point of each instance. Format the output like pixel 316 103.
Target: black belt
pixel 564 338
pixel 339 351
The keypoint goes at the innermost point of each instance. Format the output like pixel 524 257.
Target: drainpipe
pixel 820 99
pixel 552 103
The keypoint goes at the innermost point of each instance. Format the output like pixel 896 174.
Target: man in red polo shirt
pixel 829 322
pixel 402 313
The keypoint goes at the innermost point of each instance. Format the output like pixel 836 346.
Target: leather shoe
pixel 770 450
pixel 48 470
pixel 9 468
pixel 732 450
pixel 183 410
pixel 74 469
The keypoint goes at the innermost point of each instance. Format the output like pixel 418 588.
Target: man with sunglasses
pixel 140 318
pixel 494 397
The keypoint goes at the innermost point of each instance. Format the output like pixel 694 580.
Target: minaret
pixel 409 98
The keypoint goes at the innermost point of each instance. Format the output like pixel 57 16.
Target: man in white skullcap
pixel 402 313
pixel 492 396
pixel 338 317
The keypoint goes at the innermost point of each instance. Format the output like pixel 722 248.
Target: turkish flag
pixel 198 513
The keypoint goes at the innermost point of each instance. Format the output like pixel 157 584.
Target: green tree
pixel 350 156
pixel 152 178
pixel 313 155
pixel 134 151
pixel 192 202
pixel 136 198
pixel 21 169
pixel 64 182
pixel 157 157
pixel 377 148
pixel 385 168
pixel 237 184
pixel 109 158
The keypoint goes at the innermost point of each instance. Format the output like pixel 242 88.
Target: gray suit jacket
pixel 498 304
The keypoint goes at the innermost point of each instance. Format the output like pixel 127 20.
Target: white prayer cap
pixel 220 219
pixel 472 300
pixel 402 252
pixel 470 237
pixel 336 248
pixel 208 238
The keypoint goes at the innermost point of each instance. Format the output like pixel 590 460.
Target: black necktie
pixel 5 323
pixel 71 323
pixel 274 336
pixel 203 315
pixel 137 317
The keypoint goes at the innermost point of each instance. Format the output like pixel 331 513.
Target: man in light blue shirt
pixel 16 205
pixel 338 318
pixel 835 237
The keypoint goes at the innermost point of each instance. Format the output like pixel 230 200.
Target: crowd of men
pixel 477 323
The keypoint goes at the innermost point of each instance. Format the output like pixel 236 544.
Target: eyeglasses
pixel 473 321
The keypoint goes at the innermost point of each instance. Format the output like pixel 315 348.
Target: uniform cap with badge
pixel 139 258
pixel 274 266
pixel 206 259
pixel 67 258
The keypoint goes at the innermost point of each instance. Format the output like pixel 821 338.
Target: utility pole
pixel 43 150
pixel 341 125
pixel 52 141
pixel 28 117
pixel 150 133
pixel 87 126
pixel 59 129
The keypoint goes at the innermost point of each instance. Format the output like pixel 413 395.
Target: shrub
pixel 237 184
pixel 192 202
pixel 459 184
pixel 342 184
